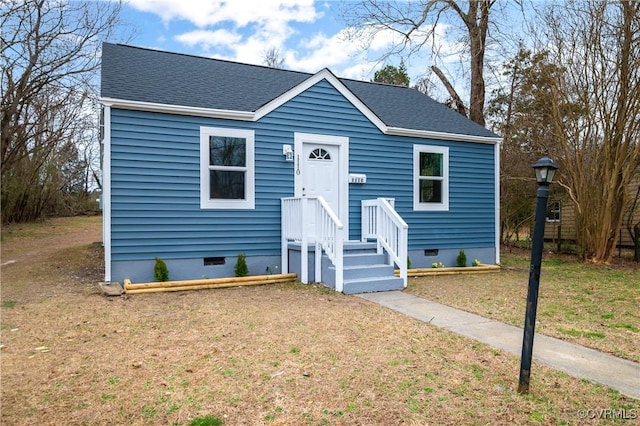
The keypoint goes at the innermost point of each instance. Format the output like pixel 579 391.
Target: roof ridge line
pixel 191 55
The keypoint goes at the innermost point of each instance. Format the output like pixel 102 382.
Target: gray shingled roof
pixel 145 75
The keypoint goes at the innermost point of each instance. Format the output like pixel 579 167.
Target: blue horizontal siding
pixel 388 163
pixel 156 195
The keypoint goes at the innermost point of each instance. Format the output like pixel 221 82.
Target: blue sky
pixel 309 34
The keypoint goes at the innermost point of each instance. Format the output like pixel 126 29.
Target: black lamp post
pixel 545 170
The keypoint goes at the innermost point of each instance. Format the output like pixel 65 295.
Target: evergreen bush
pixel 160 270
pixel 461 260
pixel 241 268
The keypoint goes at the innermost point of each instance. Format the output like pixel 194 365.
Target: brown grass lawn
pixel 594 306
pixel 284 354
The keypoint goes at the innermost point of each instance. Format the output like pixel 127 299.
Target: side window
pixel 553 211
pixel 226 168
pixel 430 178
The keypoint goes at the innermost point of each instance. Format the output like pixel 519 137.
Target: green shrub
pixel 160 270
pixel 461 260
pixel 408 262
pixel 241 268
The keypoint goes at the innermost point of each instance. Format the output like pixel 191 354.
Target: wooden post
pixel 559 238
pixel 284 242
pixel 304 244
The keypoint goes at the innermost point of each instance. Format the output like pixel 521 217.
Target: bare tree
pixel 634 228
pixel 424 85
pixel 49 59
pixel 416 22
pixel 594 111
pixel 272 58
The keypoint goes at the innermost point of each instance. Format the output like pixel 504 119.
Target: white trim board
pixel 249 202
pixel 323 74
pixel 343 151
pixel 106 193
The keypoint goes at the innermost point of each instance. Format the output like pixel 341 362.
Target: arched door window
pixel 319 154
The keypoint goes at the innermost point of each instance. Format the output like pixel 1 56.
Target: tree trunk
pixel 477 22
pixel 457 101
pixel 636 243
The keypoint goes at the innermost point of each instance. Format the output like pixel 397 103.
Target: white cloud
pixel 233 45
pixel 235 30
pixel 243 30
pixel 350 59
pixel 334 52
pixel 381 40
pixel 209 39
pixel 359 71
pixel 241 13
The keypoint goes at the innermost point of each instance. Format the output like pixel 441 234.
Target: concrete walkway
pixel 578 361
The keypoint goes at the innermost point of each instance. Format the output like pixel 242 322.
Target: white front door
pixel 320 170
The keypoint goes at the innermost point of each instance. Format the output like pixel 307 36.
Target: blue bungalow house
pixel 341 181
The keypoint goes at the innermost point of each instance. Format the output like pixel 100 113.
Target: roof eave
pixel 428 134
pixel 178 109
pixel 254 116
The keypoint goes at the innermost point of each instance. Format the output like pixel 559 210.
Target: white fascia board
pixel 178 109
pixel 427 134
pixel 496 163
pixel 287 96
pixel 106 193
pixel 316 78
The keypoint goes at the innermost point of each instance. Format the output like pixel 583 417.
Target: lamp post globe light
pixel 545 170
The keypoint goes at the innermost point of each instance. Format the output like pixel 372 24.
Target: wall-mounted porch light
pixel 287 151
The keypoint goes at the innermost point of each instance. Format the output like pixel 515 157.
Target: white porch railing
pixel 381 222
pixel 330 238
pixel 328 235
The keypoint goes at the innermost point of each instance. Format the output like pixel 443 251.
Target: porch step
pixel 364 270
pixel 370 285
pixel 355 247
pixel 363 259
pixel 356 272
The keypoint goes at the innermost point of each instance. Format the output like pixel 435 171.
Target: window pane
pixel 431 164
pixel 319 154
pixel 226 185
pixel 430 191
pixel 553 212
pixel 225 151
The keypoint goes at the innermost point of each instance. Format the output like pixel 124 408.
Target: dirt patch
pixel 56 257
pixel 283 354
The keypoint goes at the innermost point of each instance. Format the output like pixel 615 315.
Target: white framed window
pixel 227 170
pixel 553 212
pixel 430 178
